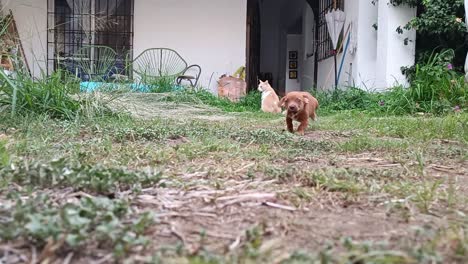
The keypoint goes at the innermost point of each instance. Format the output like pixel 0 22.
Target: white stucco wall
pixel 294 43
pixel 211 33
pixel 31 20
pixel 308 63
pixel 391 50
pixel 326 68
pixel 379 54
pixel 366 38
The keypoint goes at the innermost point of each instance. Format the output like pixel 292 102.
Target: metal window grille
pixel 73 24
pixel 325 46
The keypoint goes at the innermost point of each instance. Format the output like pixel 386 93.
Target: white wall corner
pixel 31 19
pixel 392 49
pixel 364 72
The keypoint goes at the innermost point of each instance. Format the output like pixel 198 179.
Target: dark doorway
pixel 253 44
pixel 270 25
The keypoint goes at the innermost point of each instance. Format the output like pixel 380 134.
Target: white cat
pixel 270 100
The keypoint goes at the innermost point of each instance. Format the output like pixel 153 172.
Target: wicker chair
pixel 157 63
pixel 93 63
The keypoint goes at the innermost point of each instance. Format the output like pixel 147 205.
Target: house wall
pixel 211 33
pixel 31 21
pixel 379 54
pixel 366 38
pixel 308 63
pixel 275 31
pixel 326 68
pixel 391 50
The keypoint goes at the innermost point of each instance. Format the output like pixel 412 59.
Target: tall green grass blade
pixel 13 87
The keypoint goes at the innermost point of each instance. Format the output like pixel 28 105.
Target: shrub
pixel 439 25
pixel 351 98
pixel 435 88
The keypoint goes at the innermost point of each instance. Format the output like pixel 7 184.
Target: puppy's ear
pixel 266 81
pixel 305 99
pixel 282 102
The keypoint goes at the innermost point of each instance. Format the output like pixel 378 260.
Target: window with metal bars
pixel 325 46
pixel 74 24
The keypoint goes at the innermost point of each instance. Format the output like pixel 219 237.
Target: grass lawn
pixel 186 183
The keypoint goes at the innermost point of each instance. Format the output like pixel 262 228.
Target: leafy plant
pixel 439 17
pixel 109 222
pixel 62 173
pixel 4 156
pixel 435 86
pixel 438 24
pixel 162 85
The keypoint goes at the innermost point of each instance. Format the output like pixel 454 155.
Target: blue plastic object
pixel 90 87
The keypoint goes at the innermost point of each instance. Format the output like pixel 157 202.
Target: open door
pixel 253 44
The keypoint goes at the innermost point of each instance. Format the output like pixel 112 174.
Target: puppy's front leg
pixel 289 123
pixel 302 127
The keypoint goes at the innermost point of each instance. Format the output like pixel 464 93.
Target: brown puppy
pixel 299 106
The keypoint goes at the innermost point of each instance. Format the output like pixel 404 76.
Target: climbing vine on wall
pixel 439 25
pixel 437 17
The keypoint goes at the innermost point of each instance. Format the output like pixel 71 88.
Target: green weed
pixel 435 88
pixel 4 155
pixel 62 173
pixel 363 143
pixel 50 96
pixel 161 85
pixel 250 103
pixel 110 223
